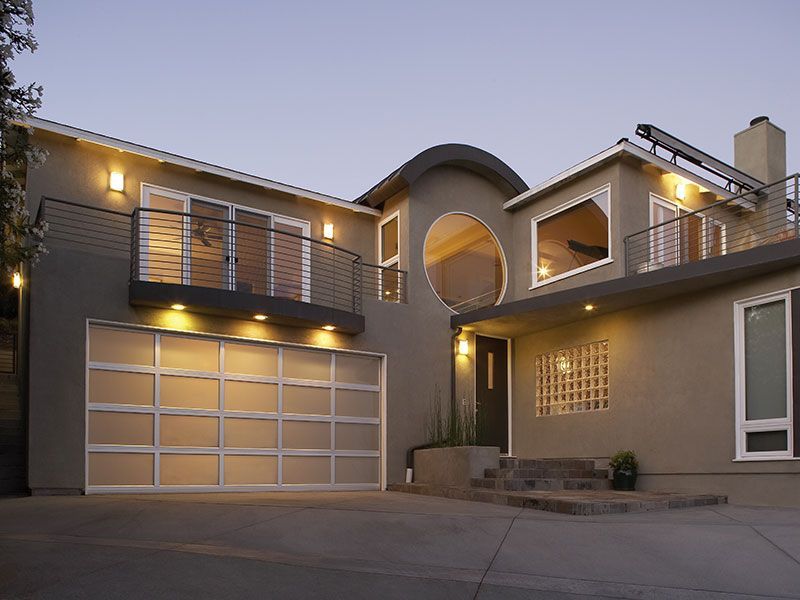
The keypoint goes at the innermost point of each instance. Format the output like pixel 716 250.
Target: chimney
pixel 760 150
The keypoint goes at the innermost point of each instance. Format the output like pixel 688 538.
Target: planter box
pixel 454 466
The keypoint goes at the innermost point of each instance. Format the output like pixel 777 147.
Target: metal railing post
pixel 796 224
pixel 358 274
pixel 134 261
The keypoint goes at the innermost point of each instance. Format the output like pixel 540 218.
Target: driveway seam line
pixel 496 552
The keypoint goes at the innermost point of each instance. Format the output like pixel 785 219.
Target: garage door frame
pixel 221 451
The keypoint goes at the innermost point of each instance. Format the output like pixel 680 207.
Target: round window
pixel 464 263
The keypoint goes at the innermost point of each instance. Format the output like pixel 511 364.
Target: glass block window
pixel 572 379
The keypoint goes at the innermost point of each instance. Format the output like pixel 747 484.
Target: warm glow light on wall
pixel 589 307
pixel 328 327
pixel 16 280
pixel 680 191
pixel 327 231
pixel 178 307
pixel 463 347
pixel 260 317
pixel 116 181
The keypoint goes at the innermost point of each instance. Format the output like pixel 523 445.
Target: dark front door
pixel 491 391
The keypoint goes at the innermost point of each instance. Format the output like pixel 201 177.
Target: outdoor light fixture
pixel 116 181
pixel 680 191
pixel 260 317
pixel 177 307
pixel 328 327
pixel 543 271
pixel 16 280
pixel 327 231
pixel 589 307
pixel 463 347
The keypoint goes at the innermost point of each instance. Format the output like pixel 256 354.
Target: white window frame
pixel 559 209
pixel 393 262
pixel 232 208
pixel 744 426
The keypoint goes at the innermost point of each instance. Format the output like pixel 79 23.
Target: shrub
pixel 625 461
pixel 450 427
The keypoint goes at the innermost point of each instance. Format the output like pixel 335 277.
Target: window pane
pixel 765 361
pixel 251 253
pixel 573 238
pixel 767 441
pixel 290 261
pixel 389 240
pixel 664 239
pixel 164 234
pixel 691 228
pixel 209 245
pixel 463 262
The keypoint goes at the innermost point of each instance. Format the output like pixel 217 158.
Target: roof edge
pixel 190 163
pixel 462 155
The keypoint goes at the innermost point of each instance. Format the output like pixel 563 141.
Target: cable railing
pixel 385 283
pixel 724 227
pixel 248 254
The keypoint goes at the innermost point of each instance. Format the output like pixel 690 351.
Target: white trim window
pixel 572 238
pixel 389 258
pixel 763 333
pixel 693 238
pixel 211 243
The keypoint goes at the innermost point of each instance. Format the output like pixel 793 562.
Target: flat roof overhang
pixel 568 306
pixel 243 305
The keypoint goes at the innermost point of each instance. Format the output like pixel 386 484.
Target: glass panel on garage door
pixel 168 412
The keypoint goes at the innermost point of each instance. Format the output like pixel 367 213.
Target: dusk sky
pixel 332 96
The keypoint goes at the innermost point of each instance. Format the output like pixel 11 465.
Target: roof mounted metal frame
pixel 736 181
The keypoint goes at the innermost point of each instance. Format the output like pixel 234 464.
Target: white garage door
pixel 168 412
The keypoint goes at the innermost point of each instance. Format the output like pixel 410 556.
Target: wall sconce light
pixel 116 181
pixel 329 327
pixel 589 307
pixel 680 191
pixel 463 347
pixel 178 307
pixel 260 317
pixel 327 231
pixel 16 280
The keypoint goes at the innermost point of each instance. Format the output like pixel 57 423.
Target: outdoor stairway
pixel 544 474
pixel 575 486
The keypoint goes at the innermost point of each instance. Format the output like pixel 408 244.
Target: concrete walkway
pixel 386 545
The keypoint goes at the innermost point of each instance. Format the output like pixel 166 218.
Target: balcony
pixel 761 217
pixel 236 268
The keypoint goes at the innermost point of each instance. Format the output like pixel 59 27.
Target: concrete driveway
pixel 385 545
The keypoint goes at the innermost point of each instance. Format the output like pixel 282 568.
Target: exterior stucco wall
pixel 671 396
pixel 73 284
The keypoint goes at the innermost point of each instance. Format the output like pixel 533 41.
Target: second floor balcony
pixel 761 217
pixel 246 267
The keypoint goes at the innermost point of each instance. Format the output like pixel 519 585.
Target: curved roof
pixel 460 155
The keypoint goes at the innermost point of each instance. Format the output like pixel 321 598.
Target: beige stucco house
pixel 198 328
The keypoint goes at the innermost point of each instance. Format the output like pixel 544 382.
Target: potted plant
pixel 625 468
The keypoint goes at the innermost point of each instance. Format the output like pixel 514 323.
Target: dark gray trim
pixel 461 155
pixel 634 290
pixel 796 370
pixel 241 305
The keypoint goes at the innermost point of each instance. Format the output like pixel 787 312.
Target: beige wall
pixel 671 396
pixel 73 284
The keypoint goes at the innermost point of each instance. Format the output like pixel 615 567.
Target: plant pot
pixel 454 466
pixel 625 480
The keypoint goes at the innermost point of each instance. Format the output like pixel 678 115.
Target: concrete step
pixel 570 502
pixel 549 464
pixel 506 473
pixel 541 483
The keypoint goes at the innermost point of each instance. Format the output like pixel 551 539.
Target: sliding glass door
pixel 185 240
